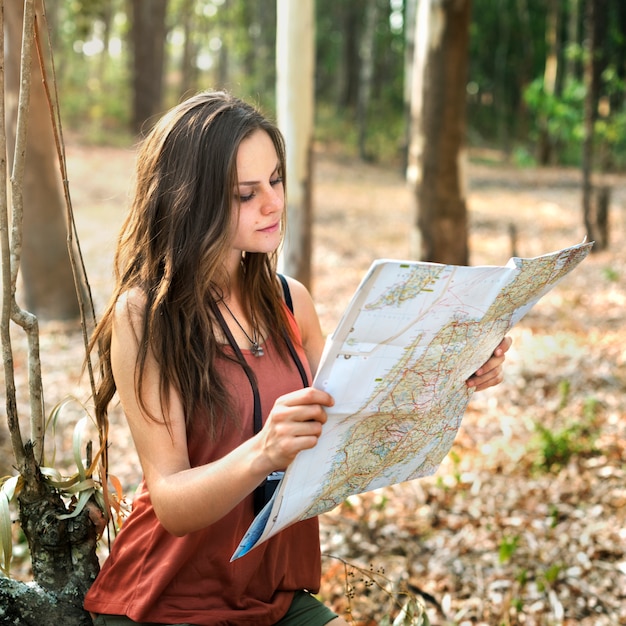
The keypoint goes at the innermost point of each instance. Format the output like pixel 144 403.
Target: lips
pixel 272 228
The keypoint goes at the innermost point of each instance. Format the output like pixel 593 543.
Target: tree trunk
pixel 595 24
pixel 502 80
pixel 546 147
pixel 265 45
pixel 148 33
pixel 31 605
pixel 223 24
pixel 410 10
pixel 63 555
pixel 436 155
pixel 348 74
pixel 573 69
pixel 48 282
pixel 295 101
pixel 524 72
pixel 62 550
pixel 366 74
pixel 188 68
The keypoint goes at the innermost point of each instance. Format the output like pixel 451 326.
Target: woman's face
pixel 259 197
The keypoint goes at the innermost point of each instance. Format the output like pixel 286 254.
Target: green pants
pixel 305 610
pixel 122 620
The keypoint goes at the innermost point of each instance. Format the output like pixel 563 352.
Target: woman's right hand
pixel 294 424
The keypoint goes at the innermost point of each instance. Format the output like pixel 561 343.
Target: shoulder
pixel 130 309
pixel 301 299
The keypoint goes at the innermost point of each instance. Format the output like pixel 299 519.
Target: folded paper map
pixel 397 367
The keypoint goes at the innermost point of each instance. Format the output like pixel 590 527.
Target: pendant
pixel 257 350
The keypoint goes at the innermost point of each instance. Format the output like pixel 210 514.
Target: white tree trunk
pixel 295 66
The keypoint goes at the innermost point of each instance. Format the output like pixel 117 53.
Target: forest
pixel 523 523
pixel 525 84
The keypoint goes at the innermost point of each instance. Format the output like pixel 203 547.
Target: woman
pixel 197 340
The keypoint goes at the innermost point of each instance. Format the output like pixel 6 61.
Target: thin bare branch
pixel 23 318
pixel 81 282
pixel 17 442
pixel 79 272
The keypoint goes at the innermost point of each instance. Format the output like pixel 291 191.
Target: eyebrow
pixel 250 183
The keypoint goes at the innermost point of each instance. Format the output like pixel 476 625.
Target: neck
pixel 228 287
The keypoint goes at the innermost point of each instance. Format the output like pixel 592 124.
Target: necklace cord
pixel 257 350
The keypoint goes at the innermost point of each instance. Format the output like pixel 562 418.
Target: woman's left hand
pixel 490 373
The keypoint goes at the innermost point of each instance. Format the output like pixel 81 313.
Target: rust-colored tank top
pixel 153 576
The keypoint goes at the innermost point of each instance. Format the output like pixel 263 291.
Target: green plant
pixel 508 547
pixel 590 409
pixel 549 576
pixel 456 463
pixel 559 117
pixel 78 489
pixel 556 446
pixel 564 392
pixel 523 158
pixel 611 274
pixel 553 516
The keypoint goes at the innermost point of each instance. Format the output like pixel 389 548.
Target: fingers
pixel 503 346
pixel 491 378
pixel 491 372
pixel 306 396
pixel 295 424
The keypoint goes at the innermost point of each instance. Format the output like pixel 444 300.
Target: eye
pixel 276 181
pixel 247 197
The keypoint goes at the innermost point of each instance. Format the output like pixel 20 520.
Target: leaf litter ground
pixel 525 522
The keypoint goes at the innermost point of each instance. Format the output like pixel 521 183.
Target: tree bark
pixel 348 72
pixel 63 555
pixel 410 11
pixel 436 154
pixel 546 147
pixel 28 604
pixel 188 67
pixel 366 74
pixel 595 25
pixel 148 33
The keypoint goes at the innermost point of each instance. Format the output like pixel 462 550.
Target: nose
pixel 274 200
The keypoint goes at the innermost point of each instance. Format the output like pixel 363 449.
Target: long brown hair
pixel 172 245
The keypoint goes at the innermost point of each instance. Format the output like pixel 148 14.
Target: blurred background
pixel 119 63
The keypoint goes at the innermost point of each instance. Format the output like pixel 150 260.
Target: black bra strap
pixel 286 292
